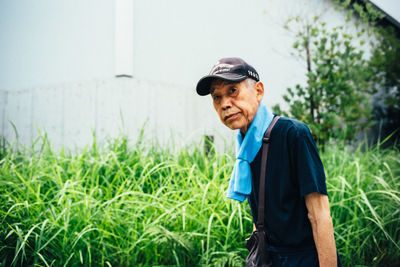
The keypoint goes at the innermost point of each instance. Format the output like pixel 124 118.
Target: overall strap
pixel 261 197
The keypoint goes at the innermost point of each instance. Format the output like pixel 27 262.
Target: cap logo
pixel 221 67
pixel 252 74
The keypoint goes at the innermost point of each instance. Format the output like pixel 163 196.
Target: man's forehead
pixel 217 83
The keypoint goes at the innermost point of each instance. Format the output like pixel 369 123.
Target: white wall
pixel 71 112
pixel 57 63
pixel 48 42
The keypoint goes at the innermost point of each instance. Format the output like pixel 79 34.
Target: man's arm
pixel 322 227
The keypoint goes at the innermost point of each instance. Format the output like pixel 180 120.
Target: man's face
pixel 235 103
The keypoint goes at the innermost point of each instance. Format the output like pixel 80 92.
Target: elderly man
pixel 297 221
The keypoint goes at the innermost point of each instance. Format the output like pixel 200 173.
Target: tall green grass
pixel 364 192
pixel 142 204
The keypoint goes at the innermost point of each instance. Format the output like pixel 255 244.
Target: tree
pixel 335 102
pixel 385 64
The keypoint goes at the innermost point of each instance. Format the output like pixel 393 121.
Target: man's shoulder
pixel 292 125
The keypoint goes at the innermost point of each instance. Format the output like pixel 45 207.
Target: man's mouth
pixel 227 117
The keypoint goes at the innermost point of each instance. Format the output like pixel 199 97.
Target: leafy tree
pixel 367 14
pixel 335 102
pixel 385 63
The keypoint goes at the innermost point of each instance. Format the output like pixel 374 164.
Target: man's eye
pixel 232 90
pixel 216 97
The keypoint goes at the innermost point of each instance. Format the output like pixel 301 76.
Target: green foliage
pixel 365 12
pixel 385 63
pixel 144 205
pixel 147 205
pixel 364 195
pixel 335 103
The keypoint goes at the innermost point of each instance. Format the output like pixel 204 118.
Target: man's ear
pixel 259 88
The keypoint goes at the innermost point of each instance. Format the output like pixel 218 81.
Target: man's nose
pixel 226 103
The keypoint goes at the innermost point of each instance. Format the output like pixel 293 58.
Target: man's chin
pixel 233 126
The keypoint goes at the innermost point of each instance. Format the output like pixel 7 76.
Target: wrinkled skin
pixel 236 103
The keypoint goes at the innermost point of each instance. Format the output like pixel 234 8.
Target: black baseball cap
pixel 232 69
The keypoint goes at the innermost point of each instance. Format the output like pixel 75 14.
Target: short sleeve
pixel 307 162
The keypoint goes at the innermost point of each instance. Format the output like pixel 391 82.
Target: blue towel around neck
pixel 246 150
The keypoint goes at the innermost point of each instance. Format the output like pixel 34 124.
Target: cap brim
pixel 203 86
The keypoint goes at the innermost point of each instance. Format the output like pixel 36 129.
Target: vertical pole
pixel 124 38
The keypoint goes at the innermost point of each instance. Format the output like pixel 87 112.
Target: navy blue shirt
pixel 294 169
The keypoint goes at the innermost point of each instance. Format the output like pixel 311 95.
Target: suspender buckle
pixel 266 139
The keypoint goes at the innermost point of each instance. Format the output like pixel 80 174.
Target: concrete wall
pixel 57 64
pixel 71 112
